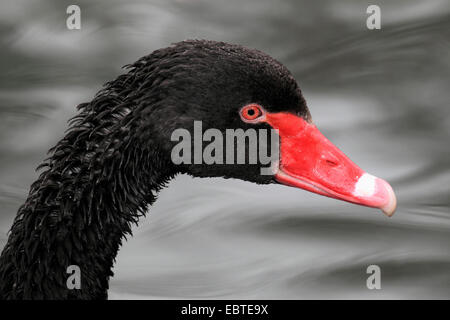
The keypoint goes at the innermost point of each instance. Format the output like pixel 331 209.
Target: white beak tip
pixel 390 207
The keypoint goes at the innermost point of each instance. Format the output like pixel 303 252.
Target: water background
pixel 381 96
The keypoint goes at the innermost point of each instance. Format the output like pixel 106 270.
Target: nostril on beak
pixel 331 163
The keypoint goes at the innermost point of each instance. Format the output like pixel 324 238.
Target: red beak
pixel 308 160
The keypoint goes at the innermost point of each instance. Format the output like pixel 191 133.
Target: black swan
pixel 105 172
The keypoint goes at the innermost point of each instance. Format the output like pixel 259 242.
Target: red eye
pixel 251 112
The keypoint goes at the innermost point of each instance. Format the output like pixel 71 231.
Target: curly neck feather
pixel 98 181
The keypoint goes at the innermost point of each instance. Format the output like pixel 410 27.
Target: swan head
pixel 214 103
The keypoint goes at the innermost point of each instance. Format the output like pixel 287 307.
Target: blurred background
pixel 382 96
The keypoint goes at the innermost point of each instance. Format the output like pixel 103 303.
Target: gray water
pixel 382 96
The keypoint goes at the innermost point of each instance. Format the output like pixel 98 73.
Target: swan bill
pixel 308 160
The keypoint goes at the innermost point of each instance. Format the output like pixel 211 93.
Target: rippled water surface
pixel 381 96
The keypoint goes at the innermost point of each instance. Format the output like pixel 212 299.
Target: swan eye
pixel 251 112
